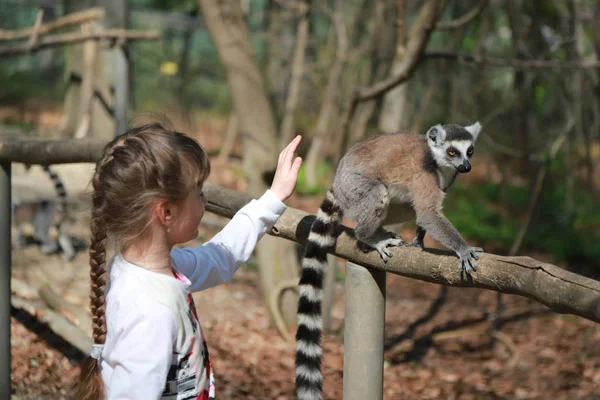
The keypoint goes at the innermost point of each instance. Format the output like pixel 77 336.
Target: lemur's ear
pixel 437 134
pixel 474 130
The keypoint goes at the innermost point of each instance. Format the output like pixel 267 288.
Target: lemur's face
pixel 458 153
pixel 453 145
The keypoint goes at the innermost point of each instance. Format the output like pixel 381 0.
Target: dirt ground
pixel 435 349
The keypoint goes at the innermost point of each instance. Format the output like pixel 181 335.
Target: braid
pixel 91 386
pixel 165 164
pixel 99 235
pixel 98 264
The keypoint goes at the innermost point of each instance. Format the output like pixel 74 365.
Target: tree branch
pixel 465 19
pixel 36 29
pixel 509 62
pixel 120 35
pixel 561 290
pixel 69 19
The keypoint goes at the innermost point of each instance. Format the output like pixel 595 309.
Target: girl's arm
pixel 217 260
pixel 143 352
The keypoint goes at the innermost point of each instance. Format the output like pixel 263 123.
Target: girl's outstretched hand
pixel 286 174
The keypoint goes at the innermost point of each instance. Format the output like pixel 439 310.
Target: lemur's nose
pixel 464 167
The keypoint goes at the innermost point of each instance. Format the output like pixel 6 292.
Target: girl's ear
pixel 164 212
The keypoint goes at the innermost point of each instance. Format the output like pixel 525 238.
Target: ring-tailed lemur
pixel 384 169
pixel 43 215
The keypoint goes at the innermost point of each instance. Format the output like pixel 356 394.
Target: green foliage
pixel 323 170
pixel 488 214
pixel 479 217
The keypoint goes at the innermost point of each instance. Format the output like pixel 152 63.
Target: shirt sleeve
pixel 143 352
pixel 217 260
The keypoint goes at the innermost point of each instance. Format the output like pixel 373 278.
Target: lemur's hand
pixel 466 261
pixel 286 174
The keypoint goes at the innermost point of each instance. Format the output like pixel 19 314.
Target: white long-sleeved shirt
pixel 154 347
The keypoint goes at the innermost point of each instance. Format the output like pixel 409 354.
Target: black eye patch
pixel 470 151
pixel 452 151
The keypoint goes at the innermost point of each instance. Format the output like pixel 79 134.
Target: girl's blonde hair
pixel 149 162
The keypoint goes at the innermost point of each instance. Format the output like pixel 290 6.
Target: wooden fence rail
pixel 561 290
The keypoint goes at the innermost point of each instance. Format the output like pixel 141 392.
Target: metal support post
pixel 5 265
pixel 364 333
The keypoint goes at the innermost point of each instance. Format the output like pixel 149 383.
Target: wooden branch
pixel 120 35
pixel 56 322
pixel 561 290
pixel 76 315
pixel 69 19
pixel 558 289
pixel 509 62
pixel 36 29
pixel 418 37
pixel 46 152
pixel 465 19
pixel 22 289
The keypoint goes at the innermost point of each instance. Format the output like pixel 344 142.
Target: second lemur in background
pixel 384 169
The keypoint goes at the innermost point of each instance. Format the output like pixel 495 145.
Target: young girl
pixel 148 343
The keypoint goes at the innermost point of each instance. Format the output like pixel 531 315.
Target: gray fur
pixel 382 170
pixel 366 200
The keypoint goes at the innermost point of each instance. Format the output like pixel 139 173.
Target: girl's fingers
pixel 283 153
pixel 292 149
pixel 296 166
pixel 286 155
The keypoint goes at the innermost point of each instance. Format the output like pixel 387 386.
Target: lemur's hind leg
pixel 42 221
pixel 369 219
pixel 66 244
pixel 418 240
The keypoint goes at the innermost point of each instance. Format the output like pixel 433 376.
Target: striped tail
pixel 61 193
pixel 309 379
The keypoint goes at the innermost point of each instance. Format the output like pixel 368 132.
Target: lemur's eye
pixel 451 153
pixel 470 152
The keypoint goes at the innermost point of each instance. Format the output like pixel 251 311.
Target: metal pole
pixel 5 265
pixel 364 333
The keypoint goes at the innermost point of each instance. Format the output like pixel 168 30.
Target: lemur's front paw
pixel 382 246
pixel 466 261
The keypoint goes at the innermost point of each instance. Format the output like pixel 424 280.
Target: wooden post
pixel 364 333
pixel 5 265
pixel 121 90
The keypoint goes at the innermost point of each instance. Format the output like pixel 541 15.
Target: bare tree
pixel 286 131
pixel 328 106
pixel 226 24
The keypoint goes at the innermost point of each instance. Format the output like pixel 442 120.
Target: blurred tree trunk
pixel 110 73
pixel 287 128
pixel 48 58
pixel 521 126
pixel 184 64
pixel 381 54
pixel 327 110
pixel 224 20
pixel 394 116
pixel 275 56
